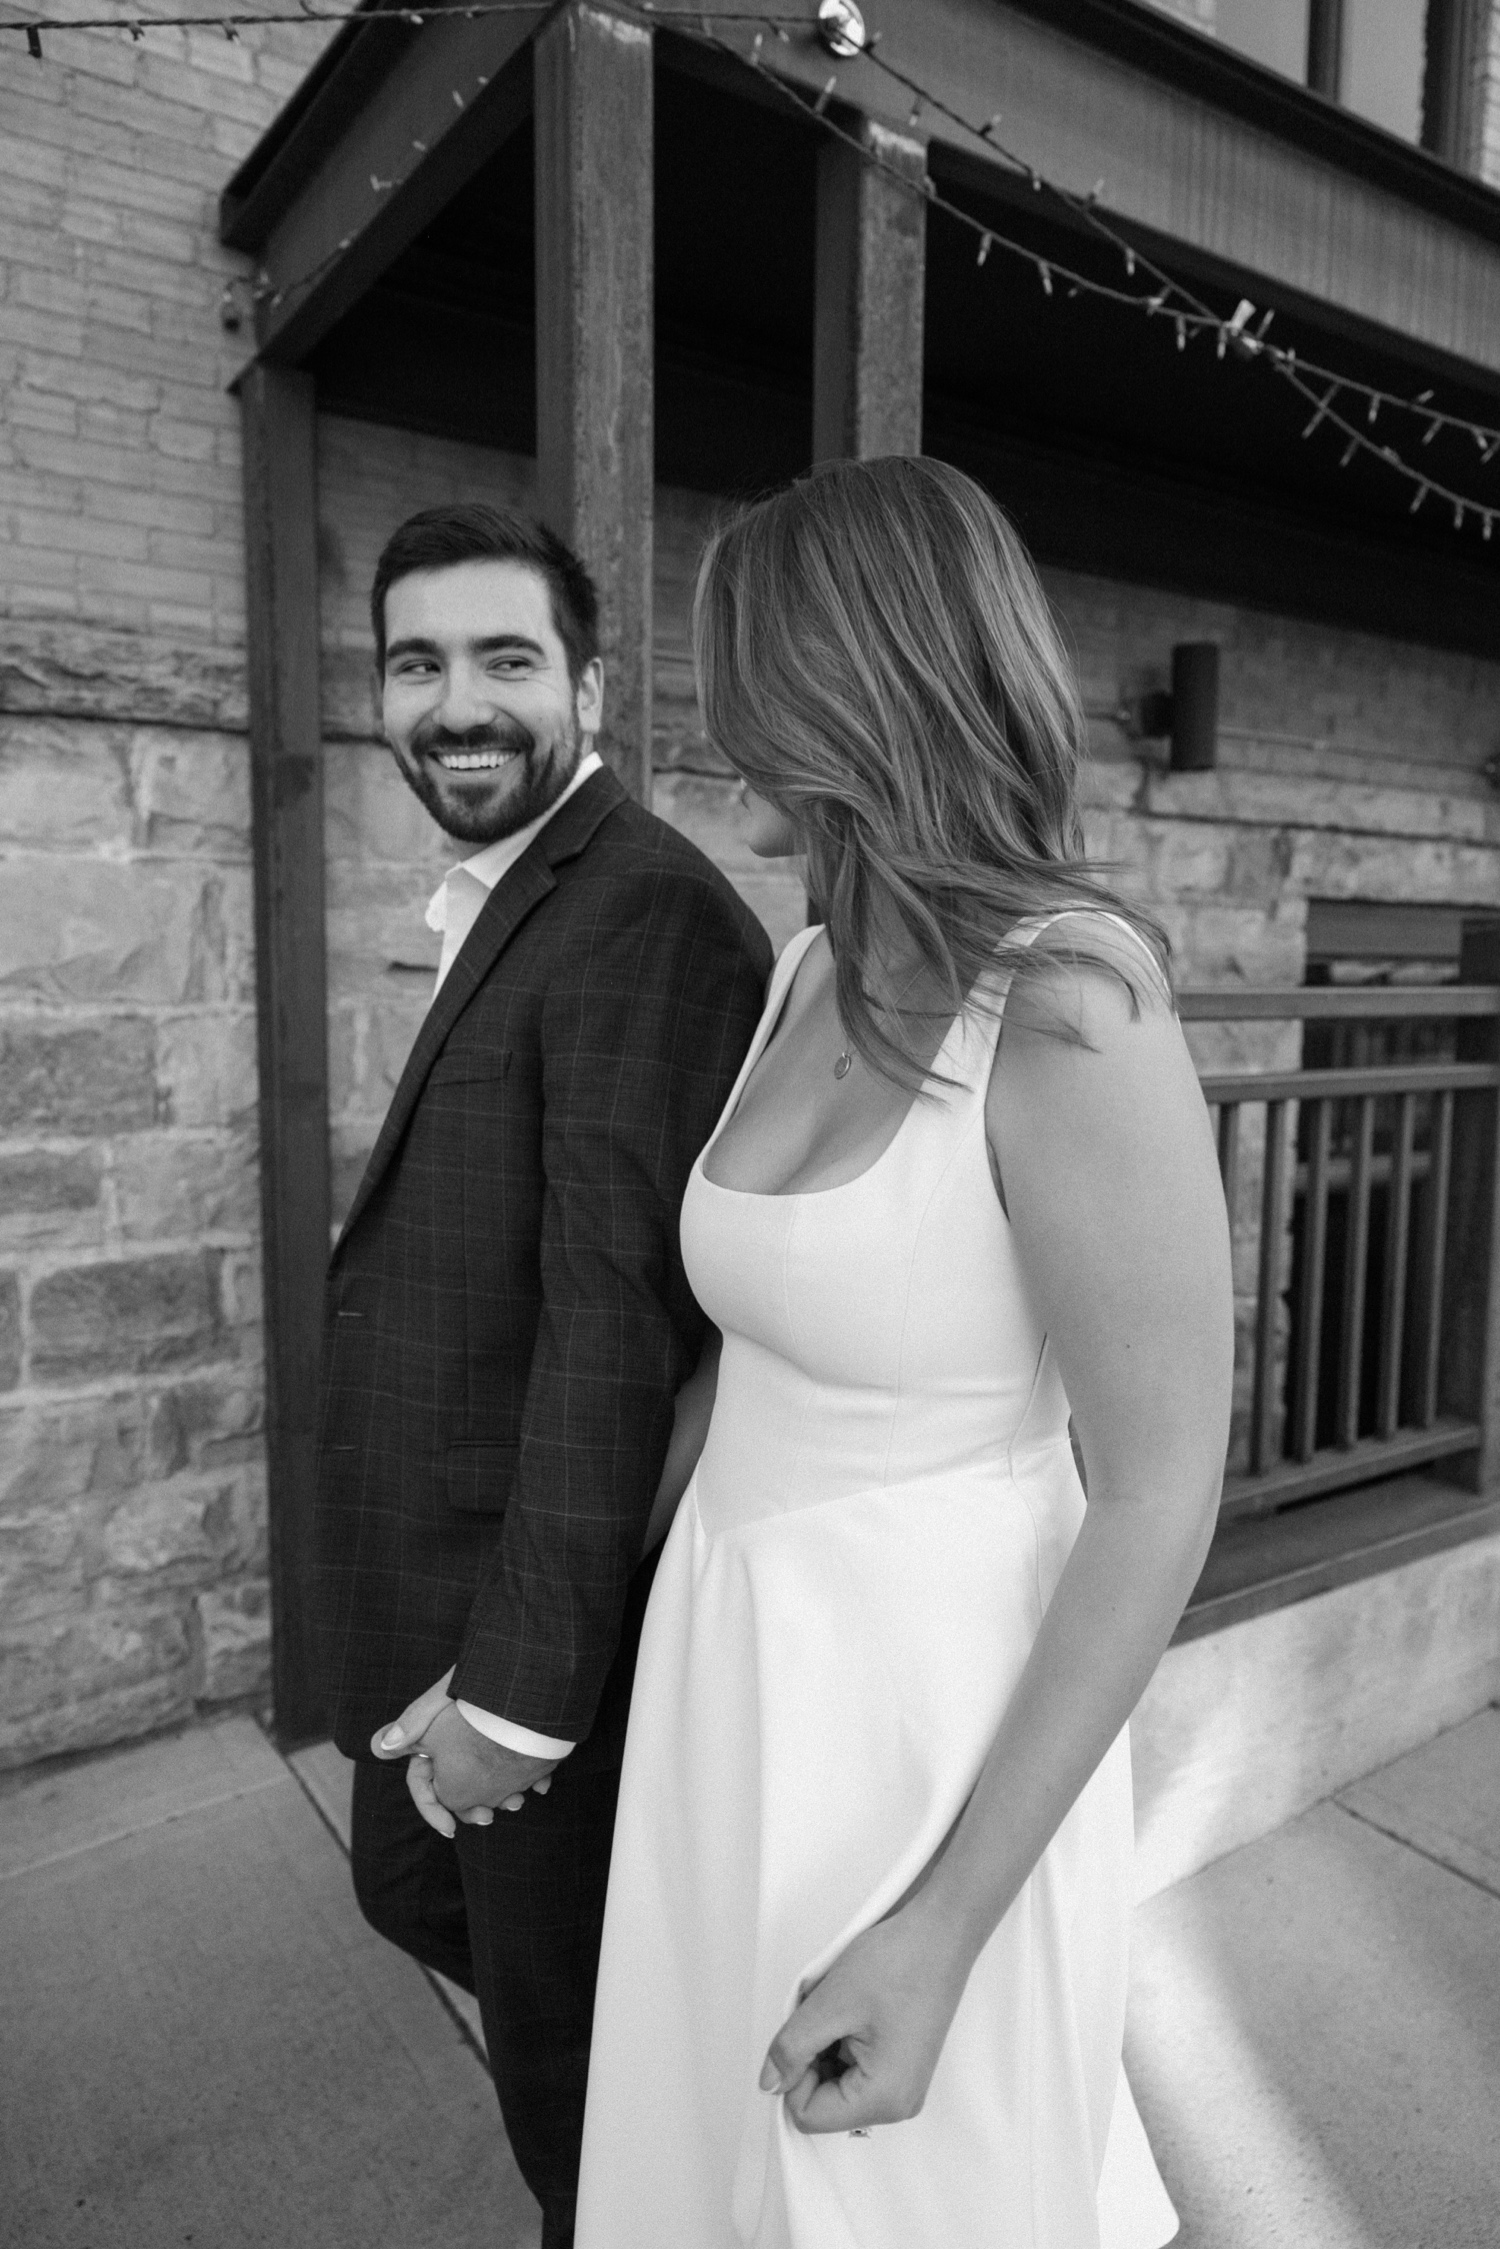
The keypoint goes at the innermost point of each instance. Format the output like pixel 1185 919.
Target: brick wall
pixel 132 1518
pixel 1483 154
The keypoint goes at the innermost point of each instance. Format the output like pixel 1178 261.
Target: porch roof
pixel 392 207
pixel 1208 153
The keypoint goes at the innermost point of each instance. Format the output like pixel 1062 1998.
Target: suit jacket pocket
pixel 480 1477
pixel 470 1066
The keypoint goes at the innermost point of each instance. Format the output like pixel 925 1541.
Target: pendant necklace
pixel 845 1062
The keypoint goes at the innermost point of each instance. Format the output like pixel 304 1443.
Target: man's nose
pixel 468 699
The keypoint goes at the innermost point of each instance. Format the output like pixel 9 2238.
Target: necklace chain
pixel 844 1062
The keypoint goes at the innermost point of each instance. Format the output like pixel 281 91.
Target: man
pixel 508 1318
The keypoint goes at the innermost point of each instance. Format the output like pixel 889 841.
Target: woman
pixel 864 1964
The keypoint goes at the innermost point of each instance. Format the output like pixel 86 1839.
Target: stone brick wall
pixel 1483 154
pixel 132 1516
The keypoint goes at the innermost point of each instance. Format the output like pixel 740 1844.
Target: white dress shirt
pixel 453 909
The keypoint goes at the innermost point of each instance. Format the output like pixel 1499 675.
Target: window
pixel 1403 64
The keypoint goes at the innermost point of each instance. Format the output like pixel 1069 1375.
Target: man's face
pixel 476 702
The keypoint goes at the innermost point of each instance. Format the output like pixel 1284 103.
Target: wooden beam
pixel 420 134
pixel 595 388
pixel 286 774
pixel 867 315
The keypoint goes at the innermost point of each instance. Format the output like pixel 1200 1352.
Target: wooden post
pixel 867 317
pixel 1469 1362
pixel 595 390
pixel 1450 81
pixel 1325 47
pixel 286 775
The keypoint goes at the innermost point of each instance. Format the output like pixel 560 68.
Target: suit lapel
pixel 521 888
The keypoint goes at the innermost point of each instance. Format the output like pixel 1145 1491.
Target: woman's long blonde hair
pixel 876 657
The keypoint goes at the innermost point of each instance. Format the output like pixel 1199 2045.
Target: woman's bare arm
pixel 1113 1195
pixel 694 1406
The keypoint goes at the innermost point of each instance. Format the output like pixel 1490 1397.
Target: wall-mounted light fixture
pixel 1188 711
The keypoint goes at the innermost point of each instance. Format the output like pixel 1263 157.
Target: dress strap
pixel 788 961
pixel 984 1022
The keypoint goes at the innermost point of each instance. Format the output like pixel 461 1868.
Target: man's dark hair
pixel 473 531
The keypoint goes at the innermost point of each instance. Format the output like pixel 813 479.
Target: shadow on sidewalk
pixel 1315 2019
pixel 204 2042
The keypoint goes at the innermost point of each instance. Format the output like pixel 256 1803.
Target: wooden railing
pixel 1373 1336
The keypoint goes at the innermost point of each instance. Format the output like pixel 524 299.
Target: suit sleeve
pixel 645 1025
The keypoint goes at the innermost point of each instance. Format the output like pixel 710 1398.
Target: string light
pixel 1190 315
pixel 1328 397
pixel 1197 314
pixel 310 12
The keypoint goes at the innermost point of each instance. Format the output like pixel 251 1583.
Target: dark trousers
pixel 514 1913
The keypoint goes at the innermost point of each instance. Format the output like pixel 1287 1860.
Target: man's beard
pixel 543 775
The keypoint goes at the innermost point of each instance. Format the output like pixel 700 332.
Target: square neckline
pixel 758 1046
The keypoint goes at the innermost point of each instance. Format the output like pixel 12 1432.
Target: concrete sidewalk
pixel 203 2043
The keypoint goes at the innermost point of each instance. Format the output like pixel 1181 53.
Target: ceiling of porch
pixel 1116 451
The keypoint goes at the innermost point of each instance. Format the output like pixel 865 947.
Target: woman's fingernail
pixel 484 1819
pixel 770 2078
pixel 392 1738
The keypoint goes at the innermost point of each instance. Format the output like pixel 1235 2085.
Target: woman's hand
pixel 862 2045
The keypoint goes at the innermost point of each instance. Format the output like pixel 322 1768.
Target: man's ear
pixel 588 700
pixel 377 701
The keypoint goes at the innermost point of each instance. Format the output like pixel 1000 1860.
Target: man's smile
pixel 472 761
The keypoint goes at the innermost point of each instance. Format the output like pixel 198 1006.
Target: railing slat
pixel 1442 1174
pixel 1356 1268
pixel 1389 1078
pixel 1272 1221
pixel 1380 1169
pixel 1397 1237
pixel 1314 1257
pixel 1229 1154
pixel 1318 1002
pixel 1333 1469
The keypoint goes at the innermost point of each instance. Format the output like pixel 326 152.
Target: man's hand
pixel 454 1772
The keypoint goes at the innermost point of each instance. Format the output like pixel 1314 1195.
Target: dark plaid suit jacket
pixel 508 1317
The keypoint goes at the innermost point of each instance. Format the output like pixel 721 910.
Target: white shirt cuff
pixel 519 1738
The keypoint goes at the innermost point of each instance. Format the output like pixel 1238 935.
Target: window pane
pixel 1271 31
pixel 1383 41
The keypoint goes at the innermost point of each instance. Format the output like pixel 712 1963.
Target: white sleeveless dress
pixel 843 1607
